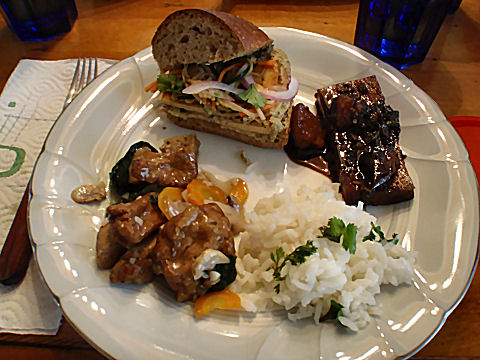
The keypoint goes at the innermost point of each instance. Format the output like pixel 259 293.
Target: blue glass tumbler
pixel 399 32
pixel 39 19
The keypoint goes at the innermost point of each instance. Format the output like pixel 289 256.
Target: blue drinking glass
pixel 399 32
pixel 39 19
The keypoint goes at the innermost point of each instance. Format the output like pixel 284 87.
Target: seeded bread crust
pixel 204 37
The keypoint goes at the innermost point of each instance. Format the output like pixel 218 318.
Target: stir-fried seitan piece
pixel 182 239
pixel 108 248
pixel 135 220
pixel 174 165
pixel 135 266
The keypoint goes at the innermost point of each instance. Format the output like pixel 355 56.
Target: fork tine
pixel 85 72
pixel 71 90
pixel 81 82
pixel 95 69
pixel 89 72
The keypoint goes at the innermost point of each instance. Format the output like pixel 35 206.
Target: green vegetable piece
pixel 297 256
pixel 349 242
pixel 119 174
pixel 371 235
pixel 246 72
pixel 276 288
pixel 154 199
pixel 227 272
pixel 143 189
pixel 253 97
pixel 340 313
pixel 377 230
pixel 395 238
pixel 334 230
pixel 334 312
pixel 277 267
pixel 170 83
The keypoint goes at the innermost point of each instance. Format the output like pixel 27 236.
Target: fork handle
pixel 17 250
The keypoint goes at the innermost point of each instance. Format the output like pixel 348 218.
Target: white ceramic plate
pixel 145 322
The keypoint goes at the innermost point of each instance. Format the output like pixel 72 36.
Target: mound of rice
pixel 331 273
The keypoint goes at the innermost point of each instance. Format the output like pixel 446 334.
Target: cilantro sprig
pixel 334 312
pixel 297 256
pixel 377 230
pixel 253 97
pixel 336 230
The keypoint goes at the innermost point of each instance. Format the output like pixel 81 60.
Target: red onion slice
pixel 248 80
pixel 285 95
pixel 204 85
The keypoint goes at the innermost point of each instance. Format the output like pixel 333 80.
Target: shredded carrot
pixel 246 115
pixel 269 106
pixel 151 86
pixel 227 69
pixel 175 72
pixel 266 63
pixel 214 106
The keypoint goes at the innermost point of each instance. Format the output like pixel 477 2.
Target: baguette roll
pixel 195 36
pixel 193 46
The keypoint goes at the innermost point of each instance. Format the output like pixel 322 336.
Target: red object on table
pixel 468 127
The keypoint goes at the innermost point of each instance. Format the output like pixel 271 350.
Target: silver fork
pixel 85 71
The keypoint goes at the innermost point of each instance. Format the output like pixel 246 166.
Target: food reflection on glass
pixel 313 253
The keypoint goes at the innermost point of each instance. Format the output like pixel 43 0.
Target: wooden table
pixel 116 29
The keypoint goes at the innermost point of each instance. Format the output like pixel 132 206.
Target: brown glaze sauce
pixel 317 163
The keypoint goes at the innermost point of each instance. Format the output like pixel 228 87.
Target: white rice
pixel 331 273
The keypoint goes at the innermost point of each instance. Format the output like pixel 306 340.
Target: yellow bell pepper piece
pixel 198 192
pixel 239 190
pixel 224 299
pixel 166 196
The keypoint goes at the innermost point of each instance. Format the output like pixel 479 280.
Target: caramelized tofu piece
pixel 136 265
pixel 373 176
pixel 174 165
pixel 337 104
pixel 182 239
pixel 366 89
pixel 108 248
pixel 362 143
pixel 135 220
pixel 307 131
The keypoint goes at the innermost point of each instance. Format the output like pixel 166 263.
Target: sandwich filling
pixel 251 94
